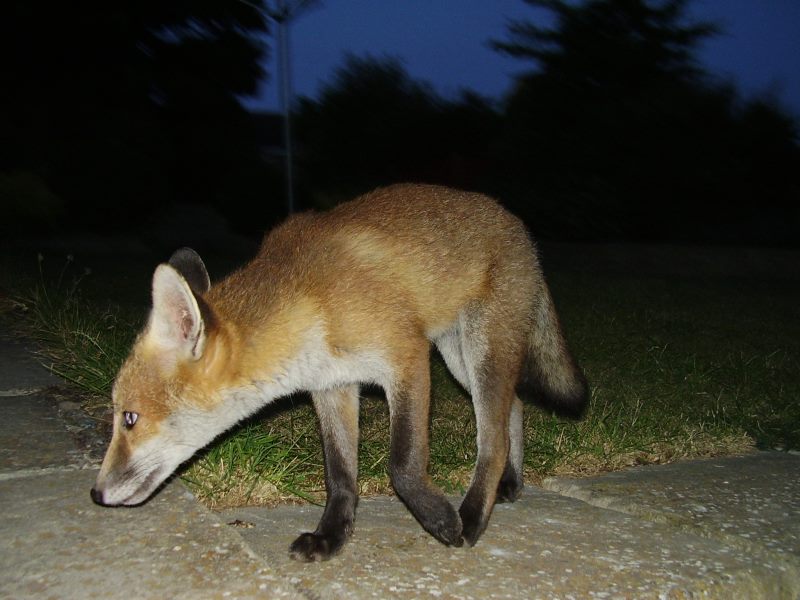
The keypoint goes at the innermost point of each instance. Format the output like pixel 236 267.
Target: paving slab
pixel 750 500
pixel 21 372
pixel 55 543
pixel 32 436
pixel 543 546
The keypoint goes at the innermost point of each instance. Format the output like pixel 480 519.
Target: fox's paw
pixel 444 524
pixel 474 521
pixel 311 547
pixel 508 490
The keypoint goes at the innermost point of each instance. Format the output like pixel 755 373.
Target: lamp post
pixel 281 12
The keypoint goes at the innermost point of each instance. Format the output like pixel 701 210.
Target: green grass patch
pixel 273 458
pixel 83 341
pixel 679 367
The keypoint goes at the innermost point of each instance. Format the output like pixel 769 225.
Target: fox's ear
pixel 189 264
pixel 176 322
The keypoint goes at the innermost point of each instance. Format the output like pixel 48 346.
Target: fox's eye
pixel 129 418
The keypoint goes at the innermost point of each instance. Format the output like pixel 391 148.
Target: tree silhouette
pixel 129 104
pixel 610 42
pixel 619 132
pixel 373 124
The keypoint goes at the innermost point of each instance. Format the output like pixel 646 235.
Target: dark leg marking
pixel 338 416
pixel 408 467
pixel 511 482
pixel 492 398
pixel 510 487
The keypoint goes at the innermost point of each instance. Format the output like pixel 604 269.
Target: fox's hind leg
pixel 337 410
pixel 409 403
pixel 511 482
pixel 492 346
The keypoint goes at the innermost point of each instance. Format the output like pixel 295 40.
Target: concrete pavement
pixel 720 528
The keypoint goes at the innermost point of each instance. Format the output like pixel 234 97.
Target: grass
pixel 269 460
pixel 83 342
pixel 679 366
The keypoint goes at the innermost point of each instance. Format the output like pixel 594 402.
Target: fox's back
pixel 421 249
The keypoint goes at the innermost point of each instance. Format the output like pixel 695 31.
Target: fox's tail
pixel 550 376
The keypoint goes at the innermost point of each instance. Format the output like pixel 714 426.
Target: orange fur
pixel 335 299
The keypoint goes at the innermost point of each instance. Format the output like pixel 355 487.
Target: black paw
pixel 443 522
pixel 448 530
pixel 508 490
pixel 473 523
pixel 311 547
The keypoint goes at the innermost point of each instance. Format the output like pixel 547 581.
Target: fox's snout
pixel 123 494
pixel 97 497
pixel 101 498
pixel 123 483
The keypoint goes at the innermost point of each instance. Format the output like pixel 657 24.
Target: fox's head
pixel 164 408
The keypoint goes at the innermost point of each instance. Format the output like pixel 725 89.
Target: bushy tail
pixel 550 376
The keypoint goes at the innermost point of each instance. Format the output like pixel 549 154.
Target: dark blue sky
pixel 444 42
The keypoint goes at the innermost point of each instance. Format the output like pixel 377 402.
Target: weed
pixel 83 342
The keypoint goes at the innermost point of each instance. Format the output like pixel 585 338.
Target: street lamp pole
pixel 281 13
pixel 281 18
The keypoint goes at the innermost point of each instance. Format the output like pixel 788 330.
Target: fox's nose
pixel 97 496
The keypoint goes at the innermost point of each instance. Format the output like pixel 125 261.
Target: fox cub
pixel 333 300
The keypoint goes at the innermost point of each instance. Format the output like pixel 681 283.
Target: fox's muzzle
pixel 131 489
pixel 97 497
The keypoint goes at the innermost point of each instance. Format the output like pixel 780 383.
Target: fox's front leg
pixel 337 410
